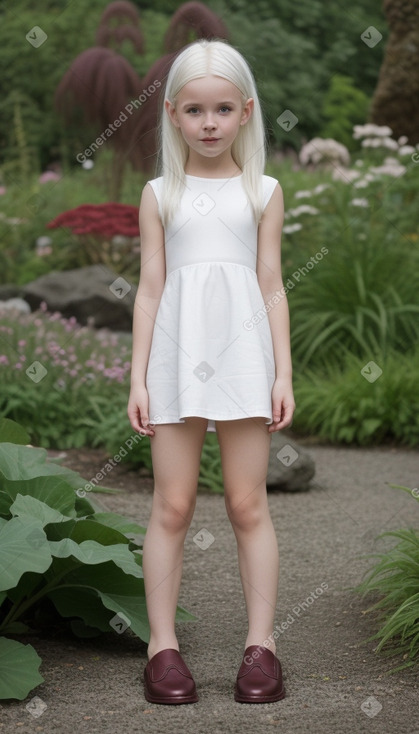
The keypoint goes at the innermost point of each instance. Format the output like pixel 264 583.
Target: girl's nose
pixel 209 123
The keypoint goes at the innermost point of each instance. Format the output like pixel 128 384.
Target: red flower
pixel 104 220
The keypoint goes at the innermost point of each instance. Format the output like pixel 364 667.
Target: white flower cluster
pixel 347 175
pixel 290 228
pixel 317 190
pixel 390 167
pixel 380 143
pixel 303 209
pixel 362 183
pixel 378 131
pixel 360 202
pixel 379 136
pixel 320 150
pixel 302 194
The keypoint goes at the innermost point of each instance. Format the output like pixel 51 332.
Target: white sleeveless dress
pixel 207 357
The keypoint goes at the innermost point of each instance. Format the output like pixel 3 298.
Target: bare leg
pixel 244 446
pixel 176 453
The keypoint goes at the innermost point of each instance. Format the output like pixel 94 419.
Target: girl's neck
pixel 214 174
pixel 227 170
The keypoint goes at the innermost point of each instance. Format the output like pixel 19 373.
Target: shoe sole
pixel 259 699
pixel 169 699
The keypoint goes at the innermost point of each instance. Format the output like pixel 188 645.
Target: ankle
pixel 266 642
pixel 155 647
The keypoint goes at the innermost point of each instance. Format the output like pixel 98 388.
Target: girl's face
pixel 209 112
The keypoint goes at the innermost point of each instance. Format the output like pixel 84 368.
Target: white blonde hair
pixel 197 60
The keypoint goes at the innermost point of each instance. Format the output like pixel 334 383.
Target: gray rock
pixel 18 304
pixel 290 467
pixel 10 291
pixel 94 295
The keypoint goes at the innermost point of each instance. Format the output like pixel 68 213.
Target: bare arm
pixel 270 281
pixel 150 288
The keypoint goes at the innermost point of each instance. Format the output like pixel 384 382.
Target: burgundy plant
pixel 191 19
pixel 196 20
pixel 128 28
pixel 103 220
pixel 101 82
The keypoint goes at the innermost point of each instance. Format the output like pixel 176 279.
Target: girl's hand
pixel 283 404
pixel 138 410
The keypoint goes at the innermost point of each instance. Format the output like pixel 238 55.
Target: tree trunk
pixel 396 99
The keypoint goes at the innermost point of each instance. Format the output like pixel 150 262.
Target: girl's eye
pixel 223 109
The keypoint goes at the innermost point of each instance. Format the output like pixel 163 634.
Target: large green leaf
pixel 54 491
pixel 85 507
pixel 19 669
pixel 93 553
pixel 119 522
pixel 119 592
pixel 24 547
pixel 27 506
pixel 4 504
pixel 25 462
pixel 87 529
pixel 133 610
pixel 13 432
pixel 28 584
pixel 82 602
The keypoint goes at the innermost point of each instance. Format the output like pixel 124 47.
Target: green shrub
pixel 359 296
pixel 395 578
pixel 26 211
pixel 339 404
pixel 64 559
pixel 344 106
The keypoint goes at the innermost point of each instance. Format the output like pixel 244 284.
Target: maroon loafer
pixel 167 679
pixel 259 679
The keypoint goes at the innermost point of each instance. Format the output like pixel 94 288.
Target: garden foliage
pixel 394 578
pixel 64 560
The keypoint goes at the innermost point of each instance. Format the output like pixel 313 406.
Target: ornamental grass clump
pixel 395 578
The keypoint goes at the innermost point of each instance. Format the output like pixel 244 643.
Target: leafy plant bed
pixel 64 560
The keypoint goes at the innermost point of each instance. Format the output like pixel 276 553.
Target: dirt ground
pixel 334 680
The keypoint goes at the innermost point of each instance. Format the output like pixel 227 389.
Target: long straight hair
pixel 197 60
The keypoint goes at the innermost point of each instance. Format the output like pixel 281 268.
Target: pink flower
pixel 2 190
pixel 48 176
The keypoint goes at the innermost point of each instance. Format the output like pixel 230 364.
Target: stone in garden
pixel 94 295
pixel 290 467
pixel 15 303
pixel 10 291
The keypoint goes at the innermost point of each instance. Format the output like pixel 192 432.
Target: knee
pixel 248 513
pixel 174 515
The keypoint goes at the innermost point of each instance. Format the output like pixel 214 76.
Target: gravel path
pixel 334 680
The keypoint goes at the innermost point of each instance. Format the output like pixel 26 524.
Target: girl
pixel 211 351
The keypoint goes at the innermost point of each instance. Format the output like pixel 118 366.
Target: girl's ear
pixel 247 110
pixel 171 111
